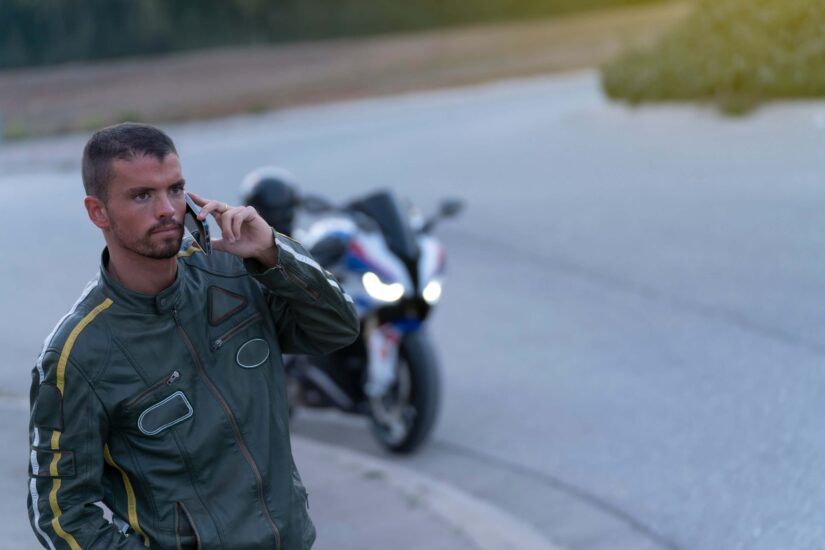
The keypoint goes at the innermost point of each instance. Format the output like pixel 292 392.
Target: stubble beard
pixel 150 245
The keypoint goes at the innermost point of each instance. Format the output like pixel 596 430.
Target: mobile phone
pixel 197 228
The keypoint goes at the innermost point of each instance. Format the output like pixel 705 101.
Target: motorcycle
pixel 393 268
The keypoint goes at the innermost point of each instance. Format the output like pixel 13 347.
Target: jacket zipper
pixel 311 291
pixel 170 379
pixel 232 422
pixel 221 340
pixel 178 508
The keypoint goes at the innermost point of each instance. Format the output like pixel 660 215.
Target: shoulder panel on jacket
pixel 63 338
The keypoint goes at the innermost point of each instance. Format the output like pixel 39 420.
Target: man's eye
pixel 177 190
pixel 142 196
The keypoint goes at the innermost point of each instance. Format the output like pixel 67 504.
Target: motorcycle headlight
pixel 379 290
pixel 432 292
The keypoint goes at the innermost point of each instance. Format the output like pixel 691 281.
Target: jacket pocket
pixel 165 414
pixel 300 512
pixel 221 340
pixel 186 534
pixel 168 381
pixel 193 527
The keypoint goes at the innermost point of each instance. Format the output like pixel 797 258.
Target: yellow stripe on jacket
pixel 130 495
pixel 55 441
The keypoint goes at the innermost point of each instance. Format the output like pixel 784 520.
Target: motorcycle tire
pixel 418 362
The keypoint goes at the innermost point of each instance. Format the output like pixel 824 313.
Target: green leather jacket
pixel 171 409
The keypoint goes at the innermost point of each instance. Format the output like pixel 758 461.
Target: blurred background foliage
pixel 40 32
pixel 736 53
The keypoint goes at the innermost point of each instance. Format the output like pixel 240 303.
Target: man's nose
pixel 164 207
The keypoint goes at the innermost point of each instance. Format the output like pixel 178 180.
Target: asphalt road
pixel 631 335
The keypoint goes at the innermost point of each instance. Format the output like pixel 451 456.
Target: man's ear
pixel 96 210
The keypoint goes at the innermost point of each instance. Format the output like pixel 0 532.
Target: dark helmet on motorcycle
pixel 271 191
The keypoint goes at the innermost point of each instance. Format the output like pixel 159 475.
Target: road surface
pixel 631 334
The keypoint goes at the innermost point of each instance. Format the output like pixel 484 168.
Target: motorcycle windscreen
pixel 383 207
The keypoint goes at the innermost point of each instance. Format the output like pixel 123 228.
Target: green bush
pixel 37 32
pixel 736 53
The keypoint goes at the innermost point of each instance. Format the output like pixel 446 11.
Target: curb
pixel 487 526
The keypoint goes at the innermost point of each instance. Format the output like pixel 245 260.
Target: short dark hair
pixel 124 141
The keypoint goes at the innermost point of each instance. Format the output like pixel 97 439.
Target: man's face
pixel 145 206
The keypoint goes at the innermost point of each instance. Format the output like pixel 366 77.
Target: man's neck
pixel 141 274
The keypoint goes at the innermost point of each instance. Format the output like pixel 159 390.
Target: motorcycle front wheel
pixel 404 416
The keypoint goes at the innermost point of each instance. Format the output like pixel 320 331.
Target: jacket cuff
pixel 287 269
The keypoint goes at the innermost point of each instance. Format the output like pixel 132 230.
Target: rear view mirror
pixel 451 207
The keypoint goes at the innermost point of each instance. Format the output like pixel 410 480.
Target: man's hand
pixel 244 232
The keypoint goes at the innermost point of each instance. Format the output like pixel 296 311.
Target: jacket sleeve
pixel 312 313
pixel 67 428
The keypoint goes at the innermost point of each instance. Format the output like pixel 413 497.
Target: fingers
pixel 218 244
pixel 233 219
pixel 216 208
pixel 237 221
pixel 200 201
pixel 229 218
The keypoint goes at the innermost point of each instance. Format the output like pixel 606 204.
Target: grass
pixel 15 131
pixel 733 53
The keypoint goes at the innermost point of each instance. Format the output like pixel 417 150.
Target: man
pixel 161 393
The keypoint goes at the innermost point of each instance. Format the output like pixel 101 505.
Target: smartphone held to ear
pixel 197 228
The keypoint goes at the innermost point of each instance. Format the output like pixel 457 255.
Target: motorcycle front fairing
pixel 394 275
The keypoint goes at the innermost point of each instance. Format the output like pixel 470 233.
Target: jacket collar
pixel 162 303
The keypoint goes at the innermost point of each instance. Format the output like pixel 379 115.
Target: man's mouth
pixel 167 229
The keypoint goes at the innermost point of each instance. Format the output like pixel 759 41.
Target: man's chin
pixel 164 254
pixel 168 247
